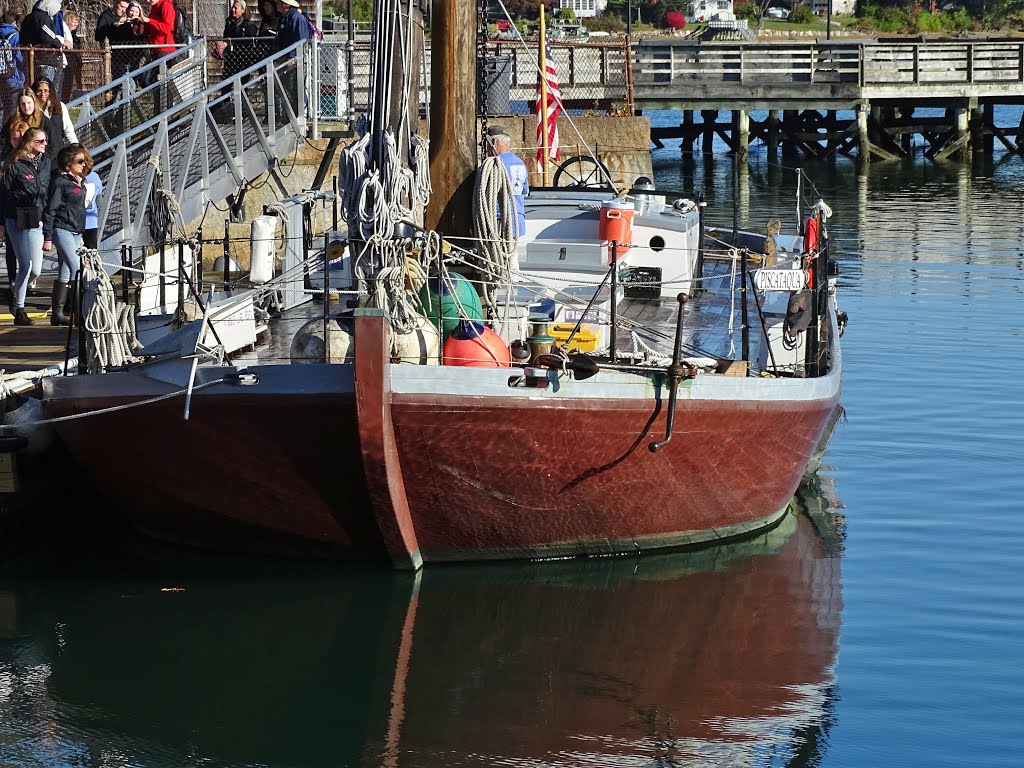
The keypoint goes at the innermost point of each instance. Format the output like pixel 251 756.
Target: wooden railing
pixel 876 68
pixel 726 73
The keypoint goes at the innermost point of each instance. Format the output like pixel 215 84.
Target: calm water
pixel 895 638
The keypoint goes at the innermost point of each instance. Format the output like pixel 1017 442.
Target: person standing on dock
pixel 112 17
pixel 64 221
pixel 499 144
pixel 30 110
pixel 237 26
pixel 17 130
pixel 24 185
pixel 292 27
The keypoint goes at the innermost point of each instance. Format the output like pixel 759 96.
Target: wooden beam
pixel 960 144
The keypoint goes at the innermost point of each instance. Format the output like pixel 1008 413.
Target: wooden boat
pixel 664 393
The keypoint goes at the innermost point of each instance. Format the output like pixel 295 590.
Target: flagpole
pixel 544 96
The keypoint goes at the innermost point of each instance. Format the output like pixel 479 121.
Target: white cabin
pixel 584 8
pixel 711 10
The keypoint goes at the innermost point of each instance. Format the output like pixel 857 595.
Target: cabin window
pixel 657 243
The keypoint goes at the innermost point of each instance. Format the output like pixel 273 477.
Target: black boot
pixel 71 305
pixel 60 295
pixel 22 318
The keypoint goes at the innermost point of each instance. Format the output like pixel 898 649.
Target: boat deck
pixel 705 327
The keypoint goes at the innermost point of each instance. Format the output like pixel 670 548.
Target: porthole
pixel 657 243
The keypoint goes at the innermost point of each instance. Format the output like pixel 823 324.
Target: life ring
pixel 811 234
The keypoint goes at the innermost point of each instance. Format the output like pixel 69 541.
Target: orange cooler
pixel 617 223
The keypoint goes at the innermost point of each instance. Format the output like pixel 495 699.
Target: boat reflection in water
pixel 724 656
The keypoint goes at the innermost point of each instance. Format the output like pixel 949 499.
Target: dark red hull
pixel 335 461
pixel 243 474
pixel 506 480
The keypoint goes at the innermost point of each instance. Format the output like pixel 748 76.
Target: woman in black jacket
pixel 239 54
pixel 64 222
pixel 24 187
pixel 30 109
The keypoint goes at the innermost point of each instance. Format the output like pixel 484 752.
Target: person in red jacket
pixel 159 29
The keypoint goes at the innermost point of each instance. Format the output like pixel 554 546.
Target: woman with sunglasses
pixel 55 109
pixel 64 222
pixel 18 128
pixel 24 190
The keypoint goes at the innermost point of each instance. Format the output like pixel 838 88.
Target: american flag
pixel 554 108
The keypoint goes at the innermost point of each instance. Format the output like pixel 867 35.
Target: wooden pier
pixel 804 86
pixel 866 98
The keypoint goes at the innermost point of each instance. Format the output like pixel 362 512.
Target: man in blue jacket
pixel 292 26
pixel 499 144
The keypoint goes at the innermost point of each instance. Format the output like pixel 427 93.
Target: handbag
pixel 28 216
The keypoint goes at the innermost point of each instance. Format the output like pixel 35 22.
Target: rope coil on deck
pixel 109 324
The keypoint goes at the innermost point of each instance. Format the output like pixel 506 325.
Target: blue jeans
pixel 68 260
pixel 28 244
pixel 53 73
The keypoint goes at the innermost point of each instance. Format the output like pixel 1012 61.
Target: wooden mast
pixel 453 129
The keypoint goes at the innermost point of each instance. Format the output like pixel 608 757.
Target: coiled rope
pixel 495 225
pixel 109 324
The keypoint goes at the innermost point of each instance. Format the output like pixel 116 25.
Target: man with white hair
pixel 499 144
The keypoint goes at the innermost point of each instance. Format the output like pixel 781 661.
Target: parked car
pixel 569 33
pixel 776 12
pixel 504 30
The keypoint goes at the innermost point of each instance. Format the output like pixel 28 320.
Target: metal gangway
pixel 168 143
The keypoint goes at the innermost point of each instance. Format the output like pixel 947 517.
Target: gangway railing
pixel 167 150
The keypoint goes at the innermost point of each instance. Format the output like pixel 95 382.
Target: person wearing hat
pixel 499 144
pixel 238 55
pixel 292 26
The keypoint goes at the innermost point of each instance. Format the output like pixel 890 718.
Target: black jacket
pixel 104 25
pixel 26 182
pixel 65 208
pixel 239 55
pixel 37 30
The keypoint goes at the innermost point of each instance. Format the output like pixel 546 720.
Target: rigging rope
pixel 109 324
pixel 495 225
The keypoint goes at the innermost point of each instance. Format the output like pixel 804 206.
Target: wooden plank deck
pixel 29 348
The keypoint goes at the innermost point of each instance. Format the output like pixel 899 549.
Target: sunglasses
pixel 39 141
pixel 78 161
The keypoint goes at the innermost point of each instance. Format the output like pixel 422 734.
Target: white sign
pixel 780 279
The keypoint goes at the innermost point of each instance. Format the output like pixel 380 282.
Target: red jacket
pixel 160 28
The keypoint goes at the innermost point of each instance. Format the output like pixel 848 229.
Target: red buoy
pixel 476 346
pixel 811 234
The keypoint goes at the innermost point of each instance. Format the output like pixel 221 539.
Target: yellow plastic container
pixel 585 340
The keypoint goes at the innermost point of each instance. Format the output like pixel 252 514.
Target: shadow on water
pixel 725 654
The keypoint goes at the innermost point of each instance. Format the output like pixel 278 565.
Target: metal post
pixel 83 350
pixel 701 206
pixel 350 48
pixel 180 309
pixel 334 207
pixel 126 264
pixel 199 262
pixel 227 259
pixel 615 285
pixel 163 274
pixel 745 326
